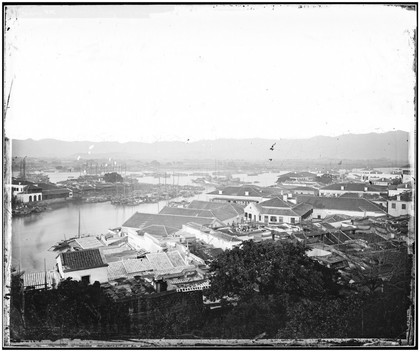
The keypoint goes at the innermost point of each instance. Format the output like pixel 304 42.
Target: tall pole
pixel 45 273
pixel 78 227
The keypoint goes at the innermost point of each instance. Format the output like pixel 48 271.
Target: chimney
pixel 220 191
pixel 366 189
pixel 398 197
pixel 342 188
pixel 246 193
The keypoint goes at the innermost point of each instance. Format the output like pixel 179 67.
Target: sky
pixel 190 72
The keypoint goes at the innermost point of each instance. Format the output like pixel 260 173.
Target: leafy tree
pixel 113 177
pixel 270 268
pixel 325 179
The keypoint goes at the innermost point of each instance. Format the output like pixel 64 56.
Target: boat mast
pixel 78 228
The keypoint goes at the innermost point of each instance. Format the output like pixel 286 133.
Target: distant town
pixel 358 224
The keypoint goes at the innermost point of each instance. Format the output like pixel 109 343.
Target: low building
pixel 86 265
pixel 277 210
pixel 217 239
pixel 152 231
pixel 304 190
pixel 394 190
pixel 26 192
pixel 298 177
pixel 354 207
pixel 40 280
pixel 337 189
pixel 401 204
pixel 56 193
pixel 228 213
pixel 243 194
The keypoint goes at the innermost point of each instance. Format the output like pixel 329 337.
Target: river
pixel 34 234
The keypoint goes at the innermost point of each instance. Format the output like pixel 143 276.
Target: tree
pixel 113 177
pixel 325 179
pixel 269 268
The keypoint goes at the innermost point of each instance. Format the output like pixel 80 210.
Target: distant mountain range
pixel 390 145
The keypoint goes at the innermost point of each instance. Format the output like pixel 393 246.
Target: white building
pixel 215 238
pixel 354 207
pixel 277 210
pixel 86 265
pixel 401 204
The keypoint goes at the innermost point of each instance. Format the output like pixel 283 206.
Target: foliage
pixel 325 179
pixel 113 177
pixel 269 268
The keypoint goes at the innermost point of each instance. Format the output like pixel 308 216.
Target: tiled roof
pixel 172 222
pixel 302 208
pixel 116 253
pixel 88 242
pixel 275 203
pixel 337 203
pixel 159 230
pixel 187 212
pixel 137 265
pixel 407 185
pixel 159 261
pixel 404 197
pixel 297 174
pixel 336 218
pixel 80 260
pixel 221 211
pixel 175 258
pixel 116 270
pixel 355 187
pixel 253 191
pixel 303 188
pixel 38 279
pixel 278 211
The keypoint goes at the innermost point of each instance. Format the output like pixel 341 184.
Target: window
pixel 403 206
pixel 319 216
pixel 86 279
pixel 265 218
pixel 273 219
pixel 280 219
pixel 292 220
pixel 393 205
pixel 259 217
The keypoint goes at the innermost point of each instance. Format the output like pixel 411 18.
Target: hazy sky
pixel 147 73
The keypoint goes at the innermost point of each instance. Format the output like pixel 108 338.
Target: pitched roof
pixel 116 270
pixel 278 211
pixel 170 223
pixel 159 261
pixel 175 258
pixel 88 242
pixel 407 185
pixel 253 191
pixel 38 279
pixel 275 203
pixel 81 260
pixel 403 197
pixel 222 211
pixel 355 187
pixel 303 188
pixel 337 203
pixel 187 212
pixel 137 265
pixel 336 218
pixel 302 208
pixel 297 174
